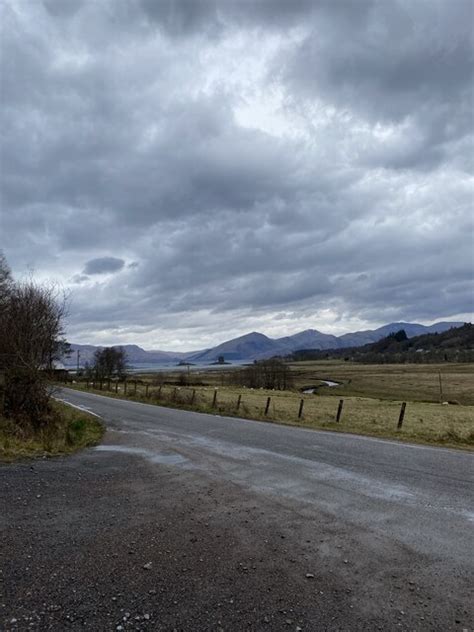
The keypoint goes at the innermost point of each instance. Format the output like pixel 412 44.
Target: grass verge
pixel 72 431
pixel 425 423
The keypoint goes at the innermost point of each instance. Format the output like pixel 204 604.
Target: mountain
pixel 455 344
pixel 360 338
pixel 249 347
pixel 257 346
pixel 309 339
pixel 135 354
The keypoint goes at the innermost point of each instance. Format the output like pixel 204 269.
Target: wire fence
pixel 417 420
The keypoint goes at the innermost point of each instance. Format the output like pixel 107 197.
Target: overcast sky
pixel 193 170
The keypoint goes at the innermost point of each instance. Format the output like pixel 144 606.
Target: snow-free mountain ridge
pixel 257 346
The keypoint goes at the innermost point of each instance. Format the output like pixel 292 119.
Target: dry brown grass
pixel 424 422
pixel 73 430
pixel 411 382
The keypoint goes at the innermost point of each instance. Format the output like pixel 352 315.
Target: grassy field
pixel 73 430
pixel 411 382
pixel 425 422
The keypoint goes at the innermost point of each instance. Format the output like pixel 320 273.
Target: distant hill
pixel 135 355
pixel 450 344
pixel 251 346
pixel 257 346
pixel 309 339
pixel 372 335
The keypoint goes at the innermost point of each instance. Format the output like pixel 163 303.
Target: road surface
pixel 186 521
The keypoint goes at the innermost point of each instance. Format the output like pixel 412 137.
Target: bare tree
pixel 109 362
pixel 31 326
pixel 269 374
pixel 31 339
pixel 5 279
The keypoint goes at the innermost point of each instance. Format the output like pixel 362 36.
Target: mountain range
pixel 257 346
pixel 455 344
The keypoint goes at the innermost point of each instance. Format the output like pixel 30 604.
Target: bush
pixel 27 399
pixel 31 328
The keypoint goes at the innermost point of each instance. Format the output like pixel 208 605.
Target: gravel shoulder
pixel 110 540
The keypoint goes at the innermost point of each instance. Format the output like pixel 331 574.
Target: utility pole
pixel 78 358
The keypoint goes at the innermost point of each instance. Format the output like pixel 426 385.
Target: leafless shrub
pixel 31 340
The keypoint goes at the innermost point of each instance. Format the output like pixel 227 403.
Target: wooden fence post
pixel 214 401
pixel 135 391
pixel 159 391
pixel 239 399
pixel 2 392
pixel 125 387
pixel 268 405
pixel 402 415
pixel 339 410
pixel 440 388
pixel 146 390
pixel 193 395
pixel 175 390
pixel 116 386
pixel 300 412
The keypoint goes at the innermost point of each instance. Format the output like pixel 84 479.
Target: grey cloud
pixel 123 136
pixel 181 18
pixel 184 17
pixel 401 63
pixel 399 56
pixel 79 278
pixel 63 8
pixel 103 265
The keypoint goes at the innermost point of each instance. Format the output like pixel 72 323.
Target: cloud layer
pixel 193 170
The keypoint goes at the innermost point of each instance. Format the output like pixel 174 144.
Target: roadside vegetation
pixel 67 431
pixel 372 399
pixel 31 343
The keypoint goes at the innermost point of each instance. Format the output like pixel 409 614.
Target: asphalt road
pixel 276 528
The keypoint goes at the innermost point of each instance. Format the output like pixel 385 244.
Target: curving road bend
pixel 244 525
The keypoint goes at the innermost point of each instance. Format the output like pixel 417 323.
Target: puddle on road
pixel 154 457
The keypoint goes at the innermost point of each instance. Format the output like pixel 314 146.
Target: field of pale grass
pixel 424 422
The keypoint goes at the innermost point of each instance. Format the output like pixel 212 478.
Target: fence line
pixel 225 402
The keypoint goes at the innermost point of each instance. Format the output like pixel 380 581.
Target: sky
pixel 190 171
